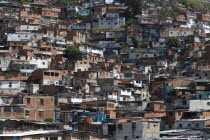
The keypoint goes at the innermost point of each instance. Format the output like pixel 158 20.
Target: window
pixel 23 74
pixel 119 126
pixel 180 125
pixel 28 100
pixel 41 101
pixel 7 109
pixel 41 113
pixel 43 63
pixel 102 104
pixel 47 73
pixel 10 84
pixel 18 109
pixel 189 125
pixel 27 113
pixel 179 113
pixel 110 105
pixel 208 103
pixel 56 74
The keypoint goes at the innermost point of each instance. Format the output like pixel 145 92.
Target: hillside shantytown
pixel 104 69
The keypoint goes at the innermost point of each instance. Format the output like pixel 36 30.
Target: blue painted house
pixel 203 95
pixel 83 12
pixel 97 117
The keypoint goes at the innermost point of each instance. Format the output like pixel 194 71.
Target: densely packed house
pixel 86 69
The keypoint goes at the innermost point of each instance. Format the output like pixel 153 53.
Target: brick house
pixel 39 107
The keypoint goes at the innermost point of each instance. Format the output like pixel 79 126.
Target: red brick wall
pixel 35 106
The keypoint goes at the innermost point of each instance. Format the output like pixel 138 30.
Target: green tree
pixel 21 2
pixel 35 10
pixel 172 42
pixel 72 53
pixel 194 4
pixel 49 119
pixel 167 9
pixel 144 44
pixel 129 23
pixel 135 7
pixel 135 41
pixel 174 71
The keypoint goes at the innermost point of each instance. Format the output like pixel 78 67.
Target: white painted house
pixel 18 37
pixel 112 15
pixel 27 69
pixel 91 50
pixel 9 84
pixel 150 55
pixel 87 4
pixel 205 27
pixel 41 63
pixel 109 23
pixel 190 23
pixel 27 28
pixel 124 94
pixel 103 1
pixel 198 105
pixel 73 8
pixel 79 26
pixel 137 83
pixel 195 124
pixel 162 63
pixel 108 1
pixel 160 43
